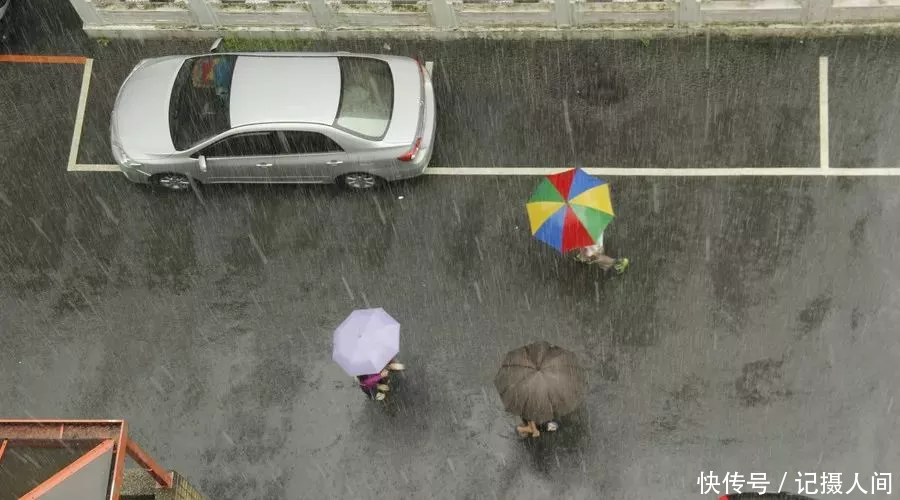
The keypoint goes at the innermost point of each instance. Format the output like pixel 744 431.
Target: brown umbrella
pixel 540 382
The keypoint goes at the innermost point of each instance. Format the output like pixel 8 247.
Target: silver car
pixel 274 117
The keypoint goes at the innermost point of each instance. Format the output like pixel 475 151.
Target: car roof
pixel 272 89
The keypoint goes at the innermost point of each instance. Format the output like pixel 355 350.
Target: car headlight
pixel 122 158
pixel 128 162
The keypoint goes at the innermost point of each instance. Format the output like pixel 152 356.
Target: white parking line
pixel 823 112
pixel 429 67
pixel 678 172
pixel 94 168
pixel 79 115
pixel 626 172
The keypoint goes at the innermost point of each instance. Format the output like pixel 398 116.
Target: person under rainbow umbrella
pixel 569 211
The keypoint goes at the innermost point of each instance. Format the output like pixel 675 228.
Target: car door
pixel 245 157
pixel 309 156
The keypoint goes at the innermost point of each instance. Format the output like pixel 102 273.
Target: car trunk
pixel 407 119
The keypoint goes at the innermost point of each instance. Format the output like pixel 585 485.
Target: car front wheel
pixel 172 182
pixel 359 181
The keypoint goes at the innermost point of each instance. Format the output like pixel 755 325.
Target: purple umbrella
pixel 366 341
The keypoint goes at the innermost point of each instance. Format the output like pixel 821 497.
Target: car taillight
pixel 409 155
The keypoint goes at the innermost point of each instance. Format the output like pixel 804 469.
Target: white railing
pixel 452 14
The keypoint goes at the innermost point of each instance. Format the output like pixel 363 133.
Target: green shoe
pixel 621 265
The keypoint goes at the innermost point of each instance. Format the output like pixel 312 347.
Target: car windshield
pixel 199 108
pixel 367 97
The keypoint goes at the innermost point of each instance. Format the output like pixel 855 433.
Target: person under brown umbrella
pixel 540 382
pixel 530 427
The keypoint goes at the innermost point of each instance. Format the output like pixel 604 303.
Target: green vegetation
pixel 238 44
pixel 408 7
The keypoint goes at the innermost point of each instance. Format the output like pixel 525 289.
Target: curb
pixel 144 32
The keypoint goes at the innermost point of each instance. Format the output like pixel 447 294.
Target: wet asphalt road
pixel 755 331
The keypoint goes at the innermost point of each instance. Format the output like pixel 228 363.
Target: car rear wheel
pixel 359 181
pixel 172 182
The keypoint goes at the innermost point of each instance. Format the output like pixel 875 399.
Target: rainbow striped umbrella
pixel 570 210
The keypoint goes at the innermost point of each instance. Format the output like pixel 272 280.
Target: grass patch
pixel 237 44
pixel 408 7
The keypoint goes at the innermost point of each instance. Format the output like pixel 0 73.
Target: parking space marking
pixel 87 69
pixel 429 67
pixel 823 112
pixel 94 168
pixel 823 171
pixel 677 172
pixel 16 58
pixel 79 114
pixel 625 172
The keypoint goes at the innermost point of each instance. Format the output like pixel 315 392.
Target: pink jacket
pixel 371 381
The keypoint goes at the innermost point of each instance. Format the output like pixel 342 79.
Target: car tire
pixel 171 182
pixel 359 181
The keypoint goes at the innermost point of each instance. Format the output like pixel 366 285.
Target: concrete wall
pixel 104 16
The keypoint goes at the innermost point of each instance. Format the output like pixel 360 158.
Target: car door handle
pixel 333 162
pixel 263 164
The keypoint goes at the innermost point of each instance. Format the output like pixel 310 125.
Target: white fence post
pixel 203 12
pixel 442 14
pixel 818 11
pixel 321 13
pixel 688 12
pixel 86 11
pixel 564 12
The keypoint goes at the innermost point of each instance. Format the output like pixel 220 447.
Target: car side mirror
pixel 216 45
pixel 201 160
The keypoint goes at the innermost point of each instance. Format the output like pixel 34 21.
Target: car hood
pixel 140 119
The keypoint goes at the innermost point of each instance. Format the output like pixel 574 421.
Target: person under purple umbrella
pixel 377 385
pixel 365 345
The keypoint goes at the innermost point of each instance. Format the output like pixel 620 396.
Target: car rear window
pixel 199 108
pixel 367 97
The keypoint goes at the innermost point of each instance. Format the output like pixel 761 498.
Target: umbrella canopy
pixel 540 382
pixel 366 341
pixel 570 210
